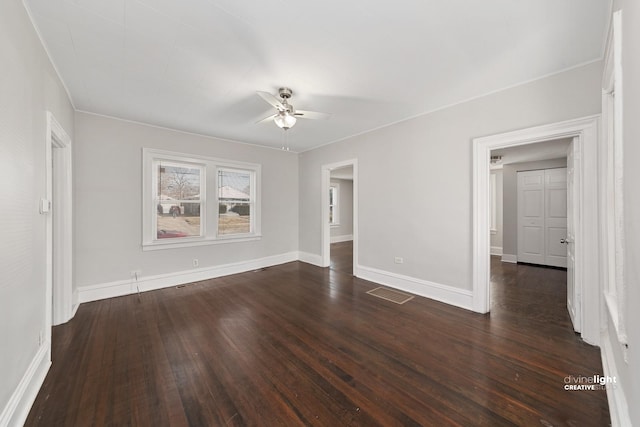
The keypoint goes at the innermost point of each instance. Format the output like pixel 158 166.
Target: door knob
pixel 566 241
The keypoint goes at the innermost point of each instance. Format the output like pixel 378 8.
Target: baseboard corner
pixel 310 258
pixel 510 258
pixel 496 250
pixel 17 409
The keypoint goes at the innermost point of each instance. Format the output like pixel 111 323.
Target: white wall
pixel 510 199
pixel 28 88
pixel 629 371
pixel 108 174
pixel 423 167
pixel 345 211
pixel 497 237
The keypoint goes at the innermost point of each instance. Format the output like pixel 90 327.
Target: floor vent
pixel 390 295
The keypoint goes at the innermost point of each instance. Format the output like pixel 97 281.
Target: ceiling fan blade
pixel 266 119
pixel 271 100
pixel 303 114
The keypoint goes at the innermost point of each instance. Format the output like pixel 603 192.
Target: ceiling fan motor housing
pixel 285 92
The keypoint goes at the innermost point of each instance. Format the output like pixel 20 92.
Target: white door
pixel 531 214
pixel 555 191
pixel 573 298
pixel 542 217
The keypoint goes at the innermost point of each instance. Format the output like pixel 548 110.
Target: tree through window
pixel 178 200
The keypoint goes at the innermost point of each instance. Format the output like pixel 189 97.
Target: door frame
pixel 326 227
pixel 585 132
pixel 59 237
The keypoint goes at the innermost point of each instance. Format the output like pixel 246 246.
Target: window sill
pixel 182 243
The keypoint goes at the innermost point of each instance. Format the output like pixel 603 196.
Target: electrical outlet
pixel 398 260
pixel 135 274
pixel 195 262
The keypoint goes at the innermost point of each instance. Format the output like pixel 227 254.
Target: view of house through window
pixel 234 201
pixel 178 200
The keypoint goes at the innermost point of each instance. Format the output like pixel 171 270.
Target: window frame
pixel 493 203
pixel 201 200
pixel 334 220
pixel 208 199
pixel 252 202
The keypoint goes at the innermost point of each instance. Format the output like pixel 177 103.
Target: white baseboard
pixel 618 409
pixel 75 303
pixel 510 258
pixel 17 409
pixel 448 294
pixel 339 239
pixel 310 258
pixel 149 283
pixel 496 250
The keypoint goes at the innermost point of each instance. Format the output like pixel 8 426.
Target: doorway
pixel 57 205
pixel 529 221
pixel 341 219
pixel 584 134
pixel 340 215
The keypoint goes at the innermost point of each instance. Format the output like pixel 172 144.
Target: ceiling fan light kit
pixel 284 120
pixel 287 116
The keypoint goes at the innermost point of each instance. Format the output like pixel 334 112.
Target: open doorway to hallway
pixel 341 219
pixel 583 286
pixel 339 202
pixel 529 232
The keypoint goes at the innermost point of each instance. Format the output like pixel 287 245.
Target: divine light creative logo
pixel 593 382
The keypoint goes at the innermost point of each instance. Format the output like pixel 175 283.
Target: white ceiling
pixel 194 65
pixel 546 150
pixel 345 172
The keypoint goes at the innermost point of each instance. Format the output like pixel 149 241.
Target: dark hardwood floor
pixel 301 345
pixel 342 257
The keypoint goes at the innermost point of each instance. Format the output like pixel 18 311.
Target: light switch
pixel 45 206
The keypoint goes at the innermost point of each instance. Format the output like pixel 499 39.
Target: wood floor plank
pixel 300 345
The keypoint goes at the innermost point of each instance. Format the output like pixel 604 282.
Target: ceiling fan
pixel 286 115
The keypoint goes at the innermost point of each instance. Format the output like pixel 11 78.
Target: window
pixel 234 201
pixel 493 200
pixel 178 199
pixel 333 204
pixel 196 200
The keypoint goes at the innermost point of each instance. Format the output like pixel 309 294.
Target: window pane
pixel 178 220
pixel 235 205
pixel 176 216
pixel 178 182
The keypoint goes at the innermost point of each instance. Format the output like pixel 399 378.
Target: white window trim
pixel 336 204
pixel 615 286
pixel 209 199
pixel 252 197
pixel 493 188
